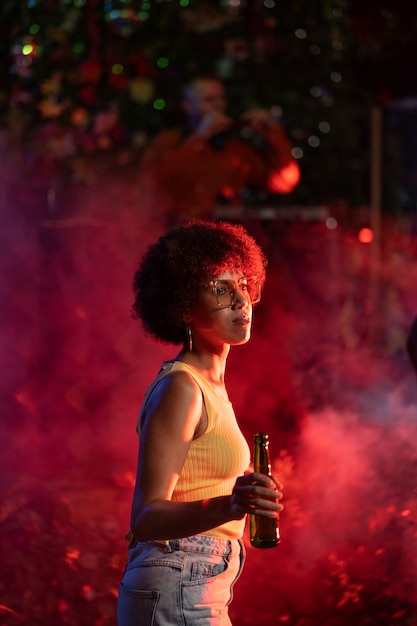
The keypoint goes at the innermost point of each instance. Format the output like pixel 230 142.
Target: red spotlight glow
pixel 285 180
pixel 366 235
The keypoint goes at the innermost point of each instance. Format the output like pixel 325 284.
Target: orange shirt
pixel 192 173
pixel 214 460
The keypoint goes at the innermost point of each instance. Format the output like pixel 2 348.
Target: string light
pixel 159 104
pixel 313 141
pixel 78 48
pixel 162 62
pixel 124 16
pixel 28 49
pixel 300 33
pixel 366 235
pixel 331 223
pixel 316 91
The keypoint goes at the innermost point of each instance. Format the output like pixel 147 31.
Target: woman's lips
pixel 243 320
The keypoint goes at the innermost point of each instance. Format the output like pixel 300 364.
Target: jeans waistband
pixel 202 543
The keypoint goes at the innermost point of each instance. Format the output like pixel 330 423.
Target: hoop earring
pixel 189 338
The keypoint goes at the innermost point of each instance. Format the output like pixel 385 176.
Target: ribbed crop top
pixel 215 459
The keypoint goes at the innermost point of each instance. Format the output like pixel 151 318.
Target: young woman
pixel 196 287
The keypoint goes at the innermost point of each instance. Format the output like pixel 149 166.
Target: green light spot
pixel 159 104
pixel 78 48
pixel 184 3
pixel 27 49
pixel 162 62
pixel 35 28
pixel 117 68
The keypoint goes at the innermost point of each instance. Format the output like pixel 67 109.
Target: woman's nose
pixel 241 299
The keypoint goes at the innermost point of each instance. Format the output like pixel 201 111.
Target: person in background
pixel 196 287
pixel 210 160
pixel 412 344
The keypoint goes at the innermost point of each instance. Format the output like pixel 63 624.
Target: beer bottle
pixel 264 531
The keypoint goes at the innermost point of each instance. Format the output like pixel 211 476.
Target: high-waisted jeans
pixel 187 582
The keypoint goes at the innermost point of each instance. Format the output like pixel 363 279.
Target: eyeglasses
pixel 225 290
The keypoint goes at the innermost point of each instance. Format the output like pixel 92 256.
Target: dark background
pixel 103 77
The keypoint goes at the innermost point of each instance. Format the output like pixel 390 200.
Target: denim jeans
pixel 187 582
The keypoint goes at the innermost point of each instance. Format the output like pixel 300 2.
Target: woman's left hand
pixel 256 494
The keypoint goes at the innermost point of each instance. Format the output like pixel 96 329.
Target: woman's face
pixel 223 312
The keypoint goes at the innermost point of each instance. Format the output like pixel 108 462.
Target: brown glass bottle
pixel 264 531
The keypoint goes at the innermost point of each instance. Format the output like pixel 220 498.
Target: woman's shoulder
pixel 176 397
pixel 178 376
pixel 175 381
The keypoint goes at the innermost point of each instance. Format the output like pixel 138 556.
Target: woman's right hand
pixel 256 494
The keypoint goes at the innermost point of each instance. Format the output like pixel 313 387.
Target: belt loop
pixel 172 545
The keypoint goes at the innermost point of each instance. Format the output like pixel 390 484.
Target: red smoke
pixel 326 374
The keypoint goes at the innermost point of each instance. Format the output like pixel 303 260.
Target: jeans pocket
pixel 206 591
pixel 134 605
pixel 206 569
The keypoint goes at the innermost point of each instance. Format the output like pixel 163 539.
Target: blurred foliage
pixel 86 78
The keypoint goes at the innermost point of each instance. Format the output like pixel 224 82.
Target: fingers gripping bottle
pixel 264 531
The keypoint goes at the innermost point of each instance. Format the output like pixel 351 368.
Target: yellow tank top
pixel 215 459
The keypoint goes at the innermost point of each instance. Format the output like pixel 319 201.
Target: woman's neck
pixel 211 365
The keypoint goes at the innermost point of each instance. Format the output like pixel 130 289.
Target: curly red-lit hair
pixel 183 259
